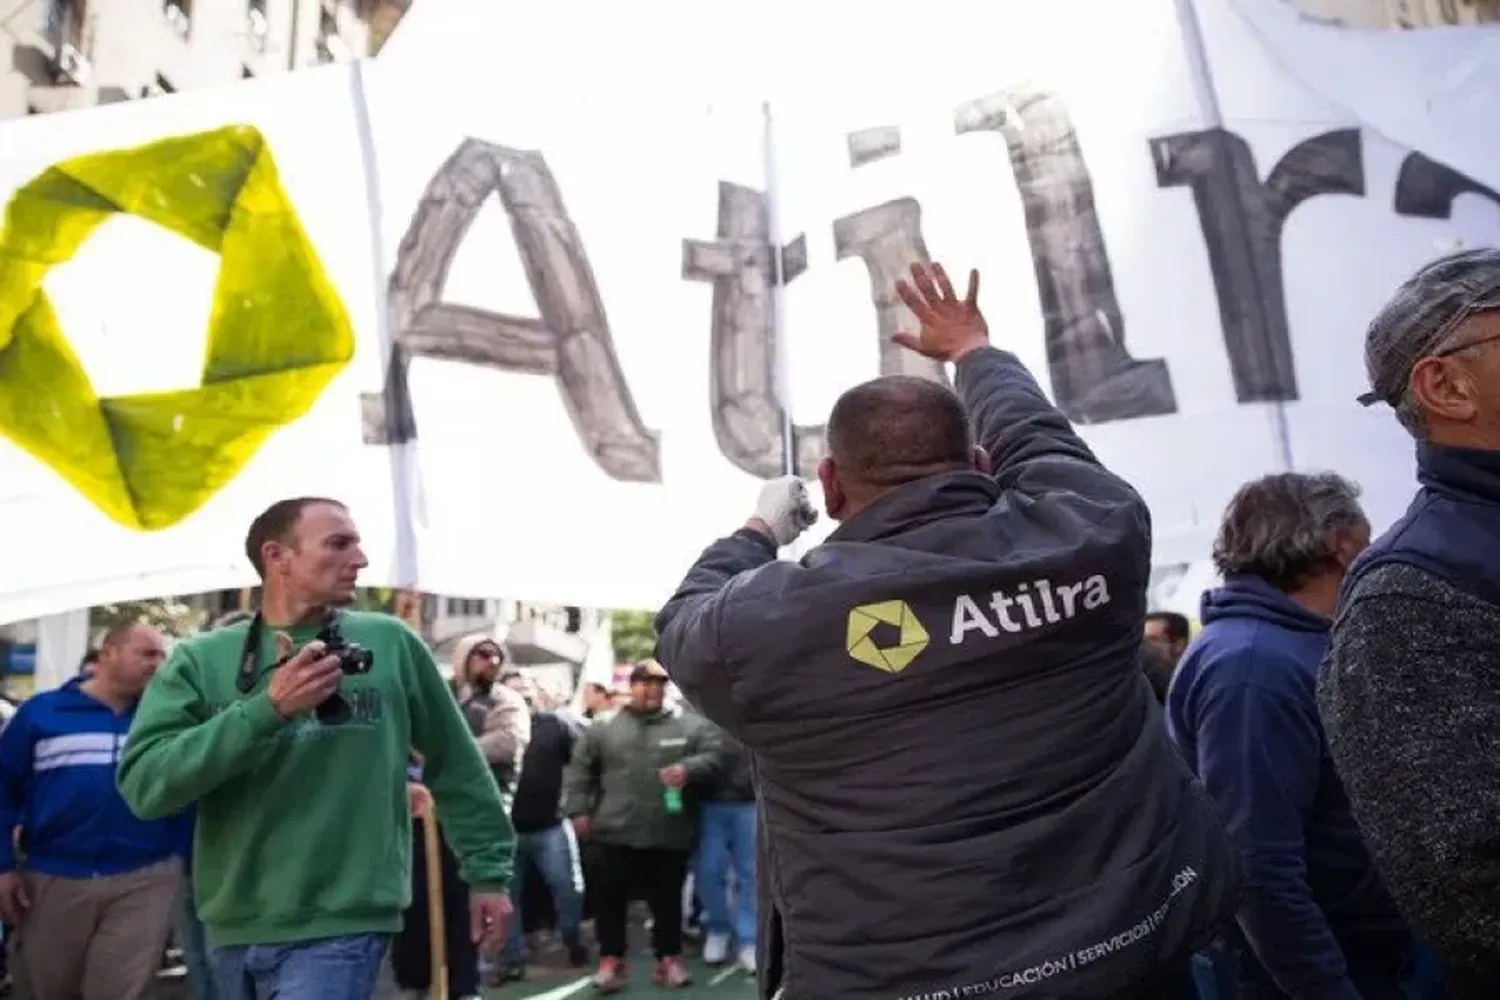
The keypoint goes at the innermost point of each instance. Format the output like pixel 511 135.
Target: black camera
pixel 353 659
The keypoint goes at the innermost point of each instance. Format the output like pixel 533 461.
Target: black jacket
pixel 966 788
pixel 734 781
pixel 538 803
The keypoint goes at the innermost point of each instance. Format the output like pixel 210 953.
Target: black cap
pixel 647 670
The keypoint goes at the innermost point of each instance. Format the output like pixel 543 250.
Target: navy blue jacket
pixel 1451 529
pixel 57 782
pixel 1242 707
pixel 966 787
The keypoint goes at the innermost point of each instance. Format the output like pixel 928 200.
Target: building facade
pixel 1402 14
pixel 60 55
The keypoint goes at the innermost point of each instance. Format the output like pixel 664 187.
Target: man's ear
pixel 982 461
pixel 833 494
pixel 1441 388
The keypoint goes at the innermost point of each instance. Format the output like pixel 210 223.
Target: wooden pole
pixel 436 925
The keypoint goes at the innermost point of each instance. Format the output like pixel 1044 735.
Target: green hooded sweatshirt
pixel 303 830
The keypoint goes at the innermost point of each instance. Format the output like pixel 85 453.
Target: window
pixel 69 30
pixel 257 26
pixel 331 47
pixel 179 16
pixel 463 607
pixel 66 24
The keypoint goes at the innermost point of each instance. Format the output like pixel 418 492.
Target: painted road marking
pixel 565 990
pixel 723 976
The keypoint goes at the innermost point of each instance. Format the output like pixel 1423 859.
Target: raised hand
pixel 783 510
pixel 950 327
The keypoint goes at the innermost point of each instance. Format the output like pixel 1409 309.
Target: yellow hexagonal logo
pixel 278 332
pixel 893 659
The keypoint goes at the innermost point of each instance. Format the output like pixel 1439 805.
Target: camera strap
pixel 250 657
pixel 250 652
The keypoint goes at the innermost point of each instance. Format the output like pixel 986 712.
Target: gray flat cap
pixel 1424 311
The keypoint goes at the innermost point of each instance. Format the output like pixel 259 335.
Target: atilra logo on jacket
pixel 1029 606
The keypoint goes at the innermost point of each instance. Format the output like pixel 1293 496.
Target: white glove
pixel 785 508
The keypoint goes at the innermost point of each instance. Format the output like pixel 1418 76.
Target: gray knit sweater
pixel 1410 697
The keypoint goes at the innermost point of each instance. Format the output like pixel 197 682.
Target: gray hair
pixel 1420 320
pixel 1284 528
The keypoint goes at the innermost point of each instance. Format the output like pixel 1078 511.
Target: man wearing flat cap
pixel 631 790
pixel 1410 688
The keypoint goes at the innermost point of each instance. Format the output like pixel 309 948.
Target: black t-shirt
pixel 539 793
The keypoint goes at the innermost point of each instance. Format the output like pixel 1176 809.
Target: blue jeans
pixel 726 838
pixel 554 851
pixel 336 968
pixel 1215 973
pixel 195 948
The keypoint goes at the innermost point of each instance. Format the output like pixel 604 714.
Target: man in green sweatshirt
pixel 302 858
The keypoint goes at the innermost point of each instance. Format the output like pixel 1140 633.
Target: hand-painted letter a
pixel 569 341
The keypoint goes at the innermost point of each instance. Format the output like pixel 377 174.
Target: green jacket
pixel 303 830
pixel 613 777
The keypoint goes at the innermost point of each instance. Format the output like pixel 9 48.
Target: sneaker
pixel 611 976
pixel 513 972
pixel 716 949
pixel 671 974
pixel 746 960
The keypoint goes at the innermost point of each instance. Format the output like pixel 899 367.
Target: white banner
pixel 546 320
pixel 212 334
pixel 557 361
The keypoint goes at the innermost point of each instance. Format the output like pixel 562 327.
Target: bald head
pixel 888 432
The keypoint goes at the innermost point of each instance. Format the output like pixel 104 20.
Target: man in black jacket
pixel 965 783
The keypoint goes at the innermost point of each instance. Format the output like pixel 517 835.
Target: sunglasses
pixel 1448 352
pixel 1485 300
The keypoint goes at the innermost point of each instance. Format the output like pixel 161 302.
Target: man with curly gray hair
pixel 1316 920
pixel 1410 690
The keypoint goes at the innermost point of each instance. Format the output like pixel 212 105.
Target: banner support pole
pixel 403 453
pixel 778 284
pixel 1207 94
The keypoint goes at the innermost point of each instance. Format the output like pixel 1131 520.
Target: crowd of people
pixel 234 791
pixel 950 753
pixel 634 797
